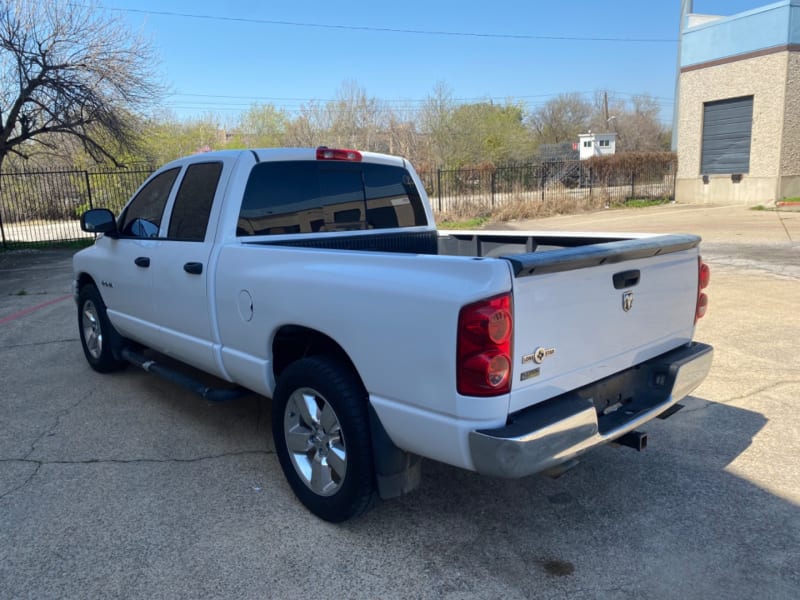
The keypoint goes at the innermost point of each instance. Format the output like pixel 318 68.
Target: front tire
pixel 321 430
pixel 97 334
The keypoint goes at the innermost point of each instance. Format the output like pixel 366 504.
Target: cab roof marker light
pixel 325 153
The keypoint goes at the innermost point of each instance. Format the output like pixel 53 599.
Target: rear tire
pixel 98 336
pixel 321 430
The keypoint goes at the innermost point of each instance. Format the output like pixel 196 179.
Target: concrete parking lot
pixel 125 486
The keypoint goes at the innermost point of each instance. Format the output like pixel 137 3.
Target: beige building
pixel 739 107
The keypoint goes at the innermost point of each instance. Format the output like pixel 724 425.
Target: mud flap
pixel 397 472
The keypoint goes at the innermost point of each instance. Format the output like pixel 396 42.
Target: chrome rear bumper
pixel 561 428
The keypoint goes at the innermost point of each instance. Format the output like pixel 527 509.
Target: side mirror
pixel 99 220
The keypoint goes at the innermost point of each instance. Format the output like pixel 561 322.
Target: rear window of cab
pixel 314 196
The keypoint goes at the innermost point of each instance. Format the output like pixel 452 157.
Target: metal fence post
pixel 439 187
pixel 542 179
pixel 633 188
pixel 3 231
pixel 591 182
pixel 88 188
pixel 492 184
pixel 674 169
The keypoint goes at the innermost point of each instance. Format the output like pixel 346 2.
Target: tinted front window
pixel 193 202
pixel 310 196
pixel 142 218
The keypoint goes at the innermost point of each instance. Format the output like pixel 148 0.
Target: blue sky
pixel 223 66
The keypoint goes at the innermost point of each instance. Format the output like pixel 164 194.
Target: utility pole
pixel 605 107
pixel 687 7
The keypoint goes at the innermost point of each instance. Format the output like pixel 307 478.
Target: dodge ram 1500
pixel 317 278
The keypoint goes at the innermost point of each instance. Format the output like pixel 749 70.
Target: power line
pixel 470 34
pixel 397 100
pixel 230 103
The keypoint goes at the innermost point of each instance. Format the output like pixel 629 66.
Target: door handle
pixel 142 261
pixel 195 268
pixel 626 279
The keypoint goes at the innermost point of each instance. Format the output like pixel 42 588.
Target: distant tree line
pixel 440 132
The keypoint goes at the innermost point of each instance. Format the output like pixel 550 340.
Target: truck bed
pixel 570 292
pixel 529 253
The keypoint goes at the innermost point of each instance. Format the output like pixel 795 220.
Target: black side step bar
pixel 186 381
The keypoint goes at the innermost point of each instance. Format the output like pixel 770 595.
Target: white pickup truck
pixel 316 277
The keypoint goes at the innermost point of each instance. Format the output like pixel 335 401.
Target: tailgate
pixel 584 313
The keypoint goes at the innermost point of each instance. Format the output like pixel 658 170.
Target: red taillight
pixel 702 306
pixel 703 279
pixel 483 359
pixel 704 274
pixel 324 153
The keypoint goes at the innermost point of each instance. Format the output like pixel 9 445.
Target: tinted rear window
pixel 310 196
pixel 193 202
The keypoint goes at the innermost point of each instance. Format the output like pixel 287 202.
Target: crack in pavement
pixel 48 431
pixel 24 483
pixel 119 461
pixel 783 224
pixel 766 388
pixel 628 588
pixel 130 461
pixel 52 429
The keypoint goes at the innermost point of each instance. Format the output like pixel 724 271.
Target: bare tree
pixel 640 129
pixel 70 69
pixel 435 118
pixel 561 119
pixel 310 127
pixel 636 121
pixel 403 138
pixel 355 118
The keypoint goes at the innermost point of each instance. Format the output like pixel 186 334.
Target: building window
pixel 587 144
pixel 604 143
pixel 727 128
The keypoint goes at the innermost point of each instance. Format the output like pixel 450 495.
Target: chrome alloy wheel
pixel 314 439
pixel 92 331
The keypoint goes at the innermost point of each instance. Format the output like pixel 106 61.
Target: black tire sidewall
pixel 106 362
pixel 340 387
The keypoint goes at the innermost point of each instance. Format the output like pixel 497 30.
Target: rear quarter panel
pixel 395 315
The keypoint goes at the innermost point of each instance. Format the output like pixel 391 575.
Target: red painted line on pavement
pixel 26 311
